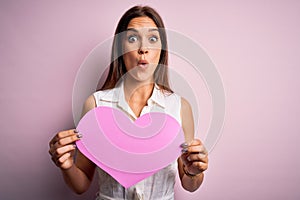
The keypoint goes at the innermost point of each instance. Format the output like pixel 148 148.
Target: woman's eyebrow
pixel 132 29
pixel 153 29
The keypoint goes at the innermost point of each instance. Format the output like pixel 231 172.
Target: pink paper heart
pixel 129 151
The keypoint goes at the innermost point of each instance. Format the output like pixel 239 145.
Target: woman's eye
pixel 153 39
pixel 132 38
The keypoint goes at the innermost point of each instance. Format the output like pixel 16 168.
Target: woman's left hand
pixel 194 157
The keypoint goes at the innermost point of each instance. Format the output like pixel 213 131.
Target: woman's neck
pixel 135 90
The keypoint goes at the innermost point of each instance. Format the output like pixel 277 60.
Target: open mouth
pixel 143 63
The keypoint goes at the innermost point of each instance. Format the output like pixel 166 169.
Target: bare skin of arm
pixel 77 174
pixel 194 159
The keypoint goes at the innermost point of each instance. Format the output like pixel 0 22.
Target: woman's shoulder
pixel 100 94
pixel 88 105
pixel 180 101
pixel 170 95
pixel 185 105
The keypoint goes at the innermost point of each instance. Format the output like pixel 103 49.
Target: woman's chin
pixel 140 74
pixel 141 77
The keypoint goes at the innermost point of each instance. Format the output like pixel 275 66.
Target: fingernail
pixel 184 150
pixel 79 135
pixel 184 145
pixel 76 131
pixel 74 145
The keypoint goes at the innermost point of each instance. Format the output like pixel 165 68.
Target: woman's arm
pixel 77 174
pixel 194 159
pixel 80 175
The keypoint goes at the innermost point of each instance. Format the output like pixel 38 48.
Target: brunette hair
pixel 117 67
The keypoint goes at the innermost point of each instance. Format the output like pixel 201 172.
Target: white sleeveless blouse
pixel 159 186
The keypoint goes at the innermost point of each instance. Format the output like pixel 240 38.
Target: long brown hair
pixel 117 67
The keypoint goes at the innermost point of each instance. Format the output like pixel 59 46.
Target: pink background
pixel 255 46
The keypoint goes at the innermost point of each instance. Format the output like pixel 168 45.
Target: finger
pixel 62 134
pixel 65 141
pixel 201 166
pixel 184 160
pixel 199 157
pixel 196 149
pixel 184 145
pixel 195 142
pixel 52 150
pixel 65 149
pixel 63 158
pixel 186 152
pixel 189 147
pixel 67 133
pixel 197 167
pixel 56 151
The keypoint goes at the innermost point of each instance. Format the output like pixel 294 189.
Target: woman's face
pixel 142 48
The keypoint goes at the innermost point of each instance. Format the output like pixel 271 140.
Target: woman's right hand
pixel 62 148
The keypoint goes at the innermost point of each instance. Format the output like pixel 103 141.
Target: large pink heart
pixel 129 151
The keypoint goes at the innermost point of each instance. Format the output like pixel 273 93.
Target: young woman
pixel 138 75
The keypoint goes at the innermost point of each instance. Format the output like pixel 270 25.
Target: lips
pixel 143 63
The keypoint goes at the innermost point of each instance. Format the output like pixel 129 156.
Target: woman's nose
pixel 143 49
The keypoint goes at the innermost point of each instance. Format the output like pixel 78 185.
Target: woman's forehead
pixel 141 22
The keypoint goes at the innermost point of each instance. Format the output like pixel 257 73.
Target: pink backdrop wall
pixel 255 46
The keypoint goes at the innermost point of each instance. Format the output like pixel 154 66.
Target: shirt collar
pixel 116 95
pixel 157 97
